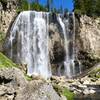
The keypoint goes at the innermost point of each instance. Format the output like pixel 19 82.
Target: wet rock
pixel 56 46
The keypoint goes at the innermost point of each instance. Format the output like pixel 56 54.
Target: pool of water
pixel 95 96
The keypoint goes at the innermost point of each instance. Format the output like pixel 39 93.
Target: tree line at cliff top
pixel 88 7
pixel 35 5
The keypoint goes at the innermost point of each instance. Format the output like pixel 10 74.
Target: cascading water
pixel 28 43
pixel 31 31
pixel 69 43
pixel 67 67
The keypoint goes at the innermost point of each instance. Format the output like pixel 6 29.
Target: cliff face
pixel 7 14
pixel 89 35
pixel 88 41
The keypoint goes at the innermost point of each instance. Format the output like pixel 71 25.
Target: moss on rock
pixel 6 62
pixel 64 91
pixel 28 78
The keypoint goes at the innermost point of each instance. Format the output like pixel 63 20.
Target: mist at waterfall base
pixel 28 43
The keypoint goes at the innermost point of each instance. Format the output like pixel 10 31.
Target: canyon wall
pixel 7 16
pixel 88 35
pixel 87 40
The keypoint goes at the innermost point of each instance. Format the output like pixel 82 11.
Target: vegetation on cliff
pixel 2 36
pixel 5 62
pixel 88 7
pixel 25 5
pixel 35 5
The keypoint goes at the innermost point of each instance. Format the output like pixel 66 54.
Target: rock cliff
pixel 88 40
pixel 89 35
pixel 7 15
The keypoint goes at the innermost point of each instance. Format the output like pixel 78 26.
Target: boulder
pixel 14 86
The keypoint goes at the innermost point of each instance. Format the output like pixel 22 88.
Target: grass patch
pixel 64 91
pixel 6 62
pixel 69 95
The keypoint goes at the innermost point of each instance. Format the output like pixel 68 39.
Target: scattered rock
pixel 86 82
pixel 92 91
pixel 86 92
pixel 82 86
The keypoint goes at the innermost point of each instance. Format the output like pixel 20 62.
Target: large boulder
pixel 14 86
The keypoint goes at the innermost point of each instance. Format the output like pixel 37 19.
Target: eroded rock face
pixel 7 16
pixel 56 43
pixel 89 35
pixel 87 41
pixel 14 86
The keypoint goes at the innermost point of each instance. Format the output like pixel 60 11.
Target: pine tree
pixel 88 7
pixel 49 4
pixel 98 7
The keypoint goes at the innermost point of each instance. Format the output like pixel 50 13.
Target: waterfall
pixel 69 43
pixel 28 42
pixel 31 31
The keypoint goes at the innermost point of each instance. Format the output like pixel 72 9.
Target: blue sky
pixel 57 3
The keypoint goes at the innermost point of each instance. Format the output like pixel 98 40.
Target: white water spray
pixel 31 31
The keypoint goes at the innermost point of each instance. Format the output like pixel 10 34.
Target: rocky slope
pixel 14 86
